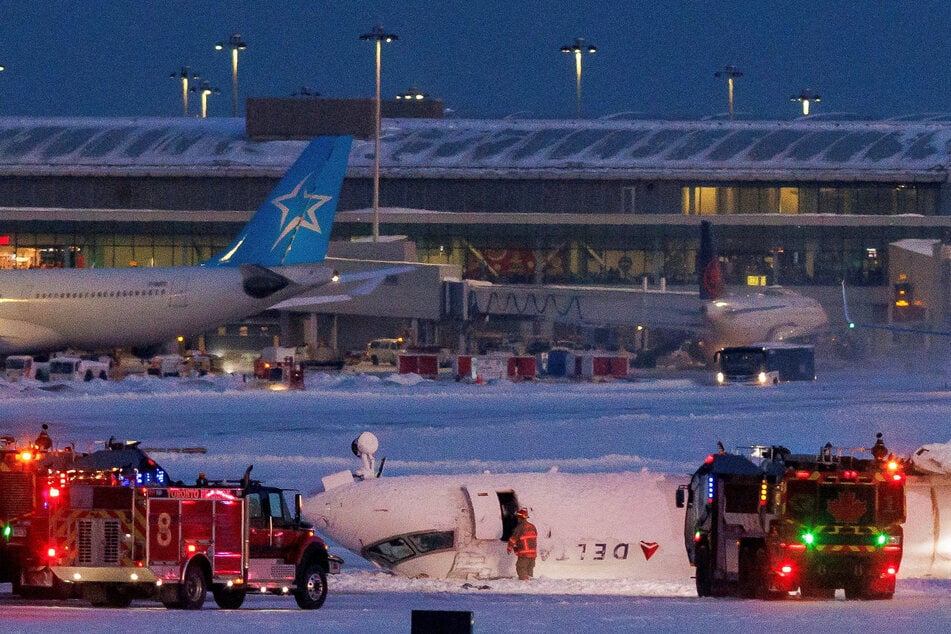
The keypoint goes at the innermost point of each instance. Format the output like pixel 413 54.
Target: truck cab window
pixel 254 506
pixel 278 508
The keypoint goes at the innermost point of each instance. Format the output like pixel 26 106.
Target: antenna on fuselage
pixel 363 447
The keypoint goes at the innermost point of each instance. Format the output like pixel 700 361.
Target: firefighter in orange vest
pixel 524 543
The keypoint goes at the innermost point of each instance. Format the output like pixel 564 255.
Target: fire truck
pixel 768 523
pixel 31 479
pixel 111 541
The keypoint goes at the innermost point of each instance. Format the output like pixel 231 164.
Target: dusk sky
pixel 487 58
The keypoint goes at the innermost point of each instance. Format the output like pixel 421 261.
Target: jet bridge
pixel 603 305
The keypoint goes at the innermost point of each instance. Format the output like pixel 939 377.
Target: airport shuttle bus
pixel 765 363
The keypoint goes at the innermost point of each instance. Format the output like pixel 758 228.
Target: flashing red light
pixel 892 465
pixel 796 546
pixel 51 552
pixel 850 475
pixel 709 459
pixel 191 548
pixel 803 475
pixel 25 456
pixel 785 569
pixel 897 477
pixel 891 549
pixel 54 492
pixel 891 570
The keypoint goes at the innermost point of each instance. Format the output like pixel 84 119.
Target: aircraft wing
pixel 370 280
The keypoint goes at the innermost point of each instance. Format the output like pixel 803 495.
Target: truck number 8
pixel 164 537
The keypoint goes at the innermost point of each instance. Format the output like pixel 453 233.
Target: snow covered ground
pixel 661 424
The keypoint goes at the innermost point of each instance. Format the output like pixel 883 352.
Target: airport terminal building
pixel 612 202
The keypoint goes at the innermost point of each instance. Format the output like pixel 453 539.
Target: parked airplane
pixel 598 525
pixel 274 258
pixel 775 314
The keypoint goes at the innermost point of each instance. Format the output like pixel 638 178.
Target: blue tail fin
pixel 293 225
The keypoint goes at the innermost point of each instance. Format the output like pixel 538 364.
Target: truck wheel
pixel 88 376
pixel 375 360
pixel 311 588
pixel 704 571
pixel 228 598
pixel 193 589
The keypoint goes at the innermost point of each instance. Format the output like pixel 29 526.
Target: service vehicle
pixel 110 541
pixel 31 477
pixel 287 374
pixel 78 369
pixel 166 365
pixel 383 351
pixel 772 522
pixel 23 366
pixel 765 363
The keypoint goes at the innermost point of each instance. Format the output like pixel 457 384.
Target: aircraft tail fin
pixel 708 265
pixel 293 225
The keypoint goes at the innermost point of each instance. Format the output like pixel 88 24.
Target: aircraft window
pixel 390 551
pixel 436 540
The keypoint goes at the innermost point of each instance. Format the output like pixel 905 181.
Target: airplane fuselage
pixel 776 314
pixel 604 525
pixel 620 525
pixel 49 309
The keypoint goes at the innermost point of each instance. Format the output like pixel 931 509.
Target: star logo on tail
pixel 307 219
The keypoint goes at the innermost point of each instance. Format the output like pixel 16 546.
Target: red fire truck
pixel 775 522
pixel 31 479
pixel 111 544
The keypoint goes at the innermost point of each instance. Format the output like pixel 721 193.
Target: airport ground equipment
pixel 773 522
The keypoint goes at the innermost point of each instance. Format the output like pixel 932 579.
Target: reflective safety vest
pixel 524 540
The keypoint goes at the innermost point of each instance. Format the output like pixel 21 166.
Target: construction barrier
pixel 520 368
pixel 425 365
pixel 600 366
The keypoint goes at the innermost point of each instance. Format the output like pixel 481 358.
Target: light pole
pixel 578 48
pixel 184 76
pixel 204 89
pixel 379 36
pixel 235 44
pixel 730 72
pixel 805 97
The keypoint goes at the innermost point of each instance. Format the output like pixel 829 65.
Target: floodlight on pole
pixel 806 97
pixel 377 35
pixel 204 89
pixel 730 72
pixel 185 78
pixel 578 49
pixel 235 44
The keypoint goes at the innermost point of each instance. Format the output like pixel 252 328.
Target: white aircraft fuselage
pixel 273 258
pixel 48 309
pixel 603 525
pixel 776 314
pixel 590 526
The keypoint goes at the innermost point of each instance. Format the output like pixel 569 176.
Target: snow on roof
pixel 917 245
pixel 76 146
pixel 893 150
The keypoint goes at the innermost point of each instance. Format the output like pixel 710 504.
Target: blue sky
pixel 484 59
